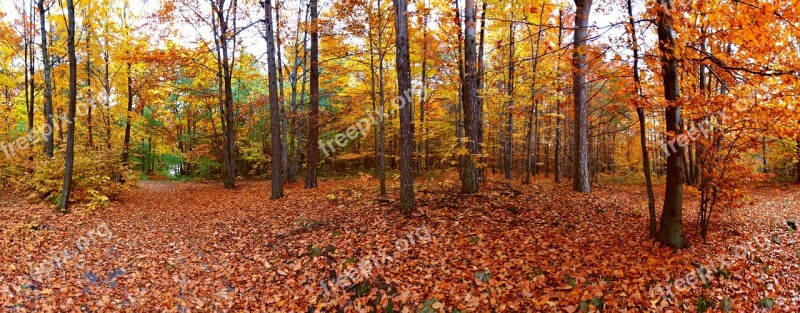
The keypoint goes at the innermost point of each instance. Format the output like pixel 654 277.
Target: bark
pixel 509 151
pixel 651 202
pixel 282 99
pixel 481 71
pixel 473 113
pixel 403 65
pixel 48 83
pixel 63 203
pixel 381 117
pixel 557 168
pixel 127 139
pixel 89 99
pixel 671 227
pixel 297 133
pixel 580 152
pixel 424 75
pixel 274 108
pixel 313 132
pixel 530 159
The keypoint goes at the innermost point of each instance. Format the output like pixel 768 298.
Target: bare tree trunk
pixel 651 201
pixel 473 113
pixel 481 71
pixel 559 103
pixel 671 227
pixel 63 203
pixel 509 151
pixel 530 160
pixel 580 153
pixel 89 98
pixel 403 65
pixel 297 122
pixel 282 99
pixel 313 132
pixel 276 122
pixel 459 110
pixel 382 116
pixel 127 139
pixel 424 74
pixel 48 84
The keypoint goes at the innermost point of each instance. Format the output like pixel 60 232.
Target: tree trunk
pixel 473 113
pixel 580 151
pixel 559 103
pixel 89 99
pixel 63 203
pixel 48 84
pixel 127 139
pixel 424 74
pixel 382 115
pixel 509 152
pixel 313 131
pixel 671 227
pixel 282 99
pixel 651 202
pixel 275 119
pixel 403 64
pixel 530 161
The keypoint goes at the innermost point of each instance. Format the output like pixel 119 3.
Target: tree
pixel 403 64
pixel 63 203
pixel 509 144
pixel 580 150
pixel 651 201
pixel 274 108
pixel 670 230
pixel 313 129
pixel 48 83
pixel 473 112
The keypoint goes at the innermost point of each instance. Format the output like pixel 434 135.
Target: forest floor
pixel 171 246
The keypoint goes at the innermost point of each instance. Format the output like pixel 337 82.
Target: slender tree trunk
pixel 509 152
pixel 313 133
pixel 530 159
pixel 403 65
pixel 282 99
pixel 276 122
pixel 558 102
pixel 671 227
pixel 651 201
pixel 580 153
pixel 63 203
pixel 424 74
pixel 48 84
pixel 127 139
pixel 481 70
pixel 89 97
pixel 459 110
pixel 382 115
pixel 296 121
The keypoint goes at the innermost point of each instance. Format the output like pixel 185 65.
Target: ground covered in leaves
pixel 171 246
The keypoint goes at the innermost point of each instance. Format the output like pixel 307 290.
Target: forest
pixel 399 156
